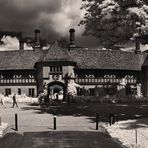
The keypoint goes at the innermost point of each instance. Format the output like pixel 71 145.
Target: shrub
pixel 109 99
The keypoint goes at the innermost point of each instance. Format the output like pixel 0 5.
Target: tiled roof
pixel 56 53
pixel 101 59
pixel 26 59
pixel 85 59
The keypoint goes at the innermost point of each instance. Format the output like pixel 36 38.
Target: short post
pixel 54 122
pixel 136 135
pixel 97 121
pixel 112 119
pixel 16 122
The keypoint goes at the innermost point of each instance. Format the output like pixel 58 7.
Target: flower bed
pixel 21 98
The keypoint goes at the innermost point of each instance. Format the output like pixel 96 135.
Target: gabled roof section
pixel 56 53
pixel 115 60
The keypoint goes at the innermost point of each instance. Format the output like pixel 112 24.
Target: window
pixel 31 92
pixel 45 71
pixel 7 91
pixel 19 91
pixel 55 69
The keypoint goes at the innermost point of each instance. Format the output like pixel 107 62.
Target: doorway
pixel 56 91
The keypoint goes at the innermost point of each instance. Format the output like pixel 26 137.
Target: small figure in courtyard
pixel 51 99
pixel 2 100
pixel 56 96
pixel 14 101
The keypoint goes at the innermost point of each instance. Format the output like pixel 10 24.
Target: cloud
pixel 51 16
pixel 9 43
pixel 12 43
pixel 54 18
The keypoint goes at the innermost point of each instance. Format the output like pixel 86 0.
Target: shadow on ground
pixel 58 139
pixel 121 111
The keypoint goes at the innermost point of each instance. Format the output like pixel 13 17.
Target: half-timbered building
pixel 30 72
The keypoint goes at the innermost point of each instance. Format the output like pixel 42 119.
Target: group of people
pixel 2 100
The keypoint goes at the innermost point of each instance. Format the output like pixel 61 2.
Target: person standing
pixel 2 100
pixel 14 101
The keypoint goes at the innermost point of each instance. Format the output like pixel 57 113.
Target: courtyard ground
pixel 132 133
pixel 58 139
pixel 75 120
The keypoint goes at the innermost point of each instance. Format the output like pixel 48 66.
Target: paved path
pixel 35 130
pixel 58 139
pixel 30 119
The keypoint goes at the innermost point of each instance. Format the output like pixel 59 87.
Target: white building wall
pixel 14 89
pixel 68 71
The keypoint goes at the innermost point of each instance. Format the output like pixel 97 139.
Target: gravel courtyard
pixel 80 117
pixel 75 124
pixel 31 118
pixel 35 130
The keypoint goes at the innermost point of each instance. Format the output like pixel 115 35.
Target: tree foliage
pixel 115 21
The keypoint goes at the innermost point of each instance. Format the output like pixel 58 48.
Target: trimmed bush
pixel 109 99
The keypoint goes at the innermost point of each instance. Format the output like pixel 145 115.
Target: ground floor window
pixel 7 91
pixel 31 92
pixel 19 91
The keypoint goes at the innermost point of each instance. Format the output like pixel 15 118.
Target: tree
pixel 115 21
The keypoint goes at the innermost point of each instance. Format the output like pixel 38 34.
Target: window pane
pixel 19 91
pixel 7 91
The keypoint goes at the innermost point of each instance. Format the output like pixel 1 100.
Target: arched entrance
pixel 56 90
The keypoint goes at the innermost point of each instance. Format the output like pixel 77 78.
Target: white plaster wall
pixel 14 89
pixel 68 70
pixel 49 81
pixel 88 86
pixel 46 71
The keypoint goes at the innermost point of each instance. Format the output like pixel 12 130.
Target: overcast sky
pixel 53 17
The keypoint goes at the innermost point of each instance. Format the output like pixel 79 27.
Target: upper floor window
pixel 56 69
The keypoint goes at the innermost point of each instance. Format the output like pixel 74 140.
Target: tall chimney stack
pixel 72 38
pixel 37 38
pixel 137 45
pixel 21 44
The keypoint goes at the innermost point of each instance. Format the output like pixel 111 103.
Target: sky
pixel 54 18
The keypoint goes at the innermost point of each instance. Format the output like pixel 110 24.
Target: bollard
pixel 112 119
pixel 54 122
pixel 136 135
pixel 97 121
pixel 16 122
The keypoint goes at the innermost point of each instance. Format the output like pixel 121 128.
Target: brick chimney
pixel 137 45
pixel 37 38
pixel 72 38
pixel 21 44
